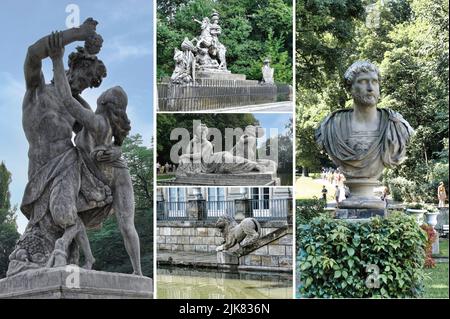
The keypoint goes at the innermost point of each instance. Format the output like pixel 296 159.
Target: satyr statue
pixel 247 232
pixel 364 139
pixel 267 72
pixel 201 158
pixel 72 187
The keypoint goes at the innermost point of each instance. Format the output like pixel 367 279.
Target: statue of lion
pixel 245 233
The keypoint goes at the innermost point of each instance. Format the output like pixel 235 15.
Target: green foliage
pixel 140 163
pixel 284 149
pixel 334 256
pixel 8 226
pixel 109 250
pixel 401 189
pixel 306 210
pixel 251 31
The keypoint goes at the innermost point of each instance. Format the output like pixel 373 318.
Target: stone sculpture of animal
pixel 244 234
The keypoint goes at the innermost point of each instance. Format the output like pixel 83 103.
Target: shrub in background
pixel 339 259
pixel 307 209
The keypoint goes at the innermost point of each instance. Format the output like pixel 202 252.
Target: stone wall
pixel 203 237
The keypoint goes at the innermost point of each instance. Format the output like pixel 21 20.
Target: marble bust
pixel 364 139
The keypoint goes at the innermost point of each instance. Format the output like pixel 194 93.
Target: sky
pixel 127 31
pixel 273 122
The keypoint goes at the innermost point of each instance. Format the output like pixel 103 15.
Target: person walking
pixel 324 193
pixel 384 195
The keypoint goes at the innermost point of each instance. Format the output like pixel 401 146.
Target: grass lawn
pixel 443 247
pixel 436 286
pixel 161 177
pixel 307 187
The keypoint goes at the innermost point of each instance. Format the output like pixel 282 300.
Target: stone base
pixel 219 75
pixel 358 213
pixel 362 202
pixel 435 247
pixel 72 282
pixel 247 179
pixel 227 258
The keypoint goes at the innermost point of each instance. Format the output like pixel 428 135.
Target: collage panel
pixel 224 175
pixel 224 56
pixel 76 205
pixel 372 149
pixel 224 242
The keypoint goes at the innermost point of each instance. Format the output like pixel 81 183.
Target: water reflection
pixel 179 283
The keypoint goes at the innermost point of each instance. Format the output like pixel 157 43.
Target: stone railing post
pixel 290 211
pixel 243 209
pixel 196 209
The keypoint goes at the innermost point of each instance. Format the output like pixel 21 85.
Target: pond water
pixel 182 283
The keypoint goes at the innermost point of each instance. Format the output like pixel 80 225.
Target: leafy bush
pixel 307 209
pixel 402 189
pixel 334 256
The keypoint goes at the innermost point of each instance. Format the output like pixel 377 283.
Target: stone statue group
pixel 204 52
pixel 199 156
pixel 72 186
pixel 207 53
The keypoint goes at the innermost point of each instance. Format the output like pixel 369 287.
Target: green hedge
pixel 333 256
pixel 307 209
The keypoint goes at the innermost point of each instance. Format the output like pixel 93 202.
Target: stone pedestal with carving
pixel 72 282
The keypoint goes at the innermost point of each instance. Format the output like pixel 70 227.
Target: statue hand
pixel 109 155
pixel 55 45
pixel 89 27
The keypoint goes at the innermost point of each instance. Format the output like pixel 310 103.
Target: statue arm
pixel 85 117
pixel 41 50
pixel 77 127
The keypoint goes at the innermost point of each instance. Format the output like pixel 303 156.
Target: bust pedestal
pixel 361 203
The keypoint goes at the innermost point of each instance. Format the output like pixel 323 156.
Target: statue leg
pixel 82 240
pixel 251 236
pixel 123 205
pixel 63 198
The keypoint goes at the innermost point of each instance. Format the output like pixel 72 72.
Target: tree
pixel 8 226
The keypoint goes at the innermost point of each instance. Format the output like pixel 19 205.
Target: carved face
pixel 222 222
pixel 366 89
pixel 81 78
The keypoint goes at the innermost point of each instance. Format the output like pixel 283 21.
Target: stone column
pixel 160 207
